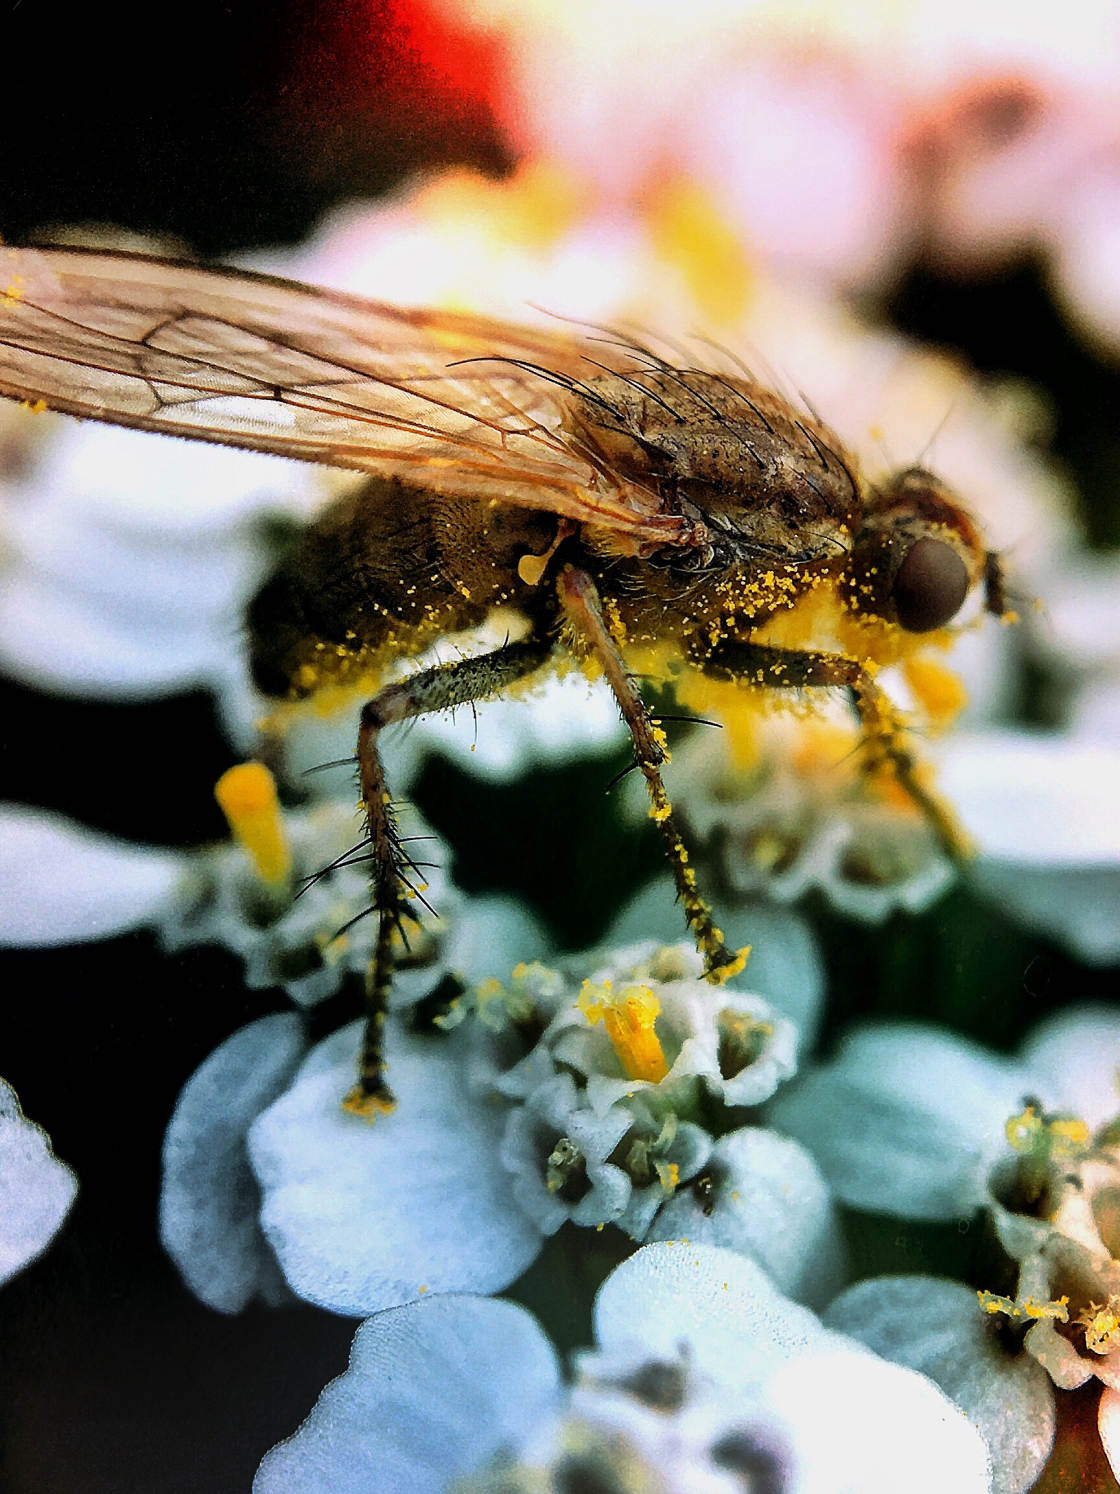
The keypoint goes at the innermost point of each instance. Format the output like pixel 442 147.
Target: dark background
pixel 237 126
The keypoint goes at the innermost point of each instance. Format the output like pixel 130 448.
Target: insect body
pixel 614 497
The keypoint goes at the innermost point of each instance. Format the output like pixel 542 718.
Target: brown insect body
pixel 392 566
pixel 614 496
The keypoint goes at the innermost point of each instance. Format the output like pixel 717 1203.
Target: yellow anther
pixel 1023 1130
pixel 669 1176
pixel 1102 1325
pixel 628 1020
pixel 1069 1135
pixel 246 795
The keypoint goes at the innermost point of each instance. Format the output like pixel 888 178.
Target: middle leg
pixel 582 608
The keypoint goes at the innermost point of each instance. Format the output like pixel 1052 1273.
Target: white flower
pixel 519 1117
pixel 933 1326
pixel 704 1376
pixel 909 1118
pixel 367 1216
pixel 36 1189
pixel 209 1204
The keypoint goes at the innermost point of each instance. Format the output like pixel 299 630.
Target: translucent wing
pixel 462 404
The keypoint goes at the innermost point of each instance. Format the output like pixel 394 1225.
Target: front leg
pixel 747 663
pixel 393 892
pixel 583 611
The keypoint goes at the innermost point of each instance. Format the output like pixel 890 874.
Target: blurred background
pixel 949 173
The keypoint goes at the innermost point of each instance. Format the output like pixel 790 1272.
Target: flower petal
pixel 936 1327
pixel 209 1200
pixel 433 1391
pixel 850 1420
pixel 63 884
pixel 1034 799
pixel 36 1189
pixel 905 1118
pixel 1080 906
pixel 768 1201
pixel 735 1322
pixel 1108 1422
pixel 366 1216
pixel 1078 1052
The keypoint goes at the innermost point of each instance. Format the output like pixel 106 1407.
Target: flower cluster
pixel 618 1097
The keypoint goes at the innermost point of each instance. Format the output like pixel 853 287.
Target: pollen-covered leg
pixel 583 612
pixel 393 889
pixel 883 730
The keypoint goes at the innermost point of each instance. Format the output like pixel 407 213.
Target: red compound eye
pixel 930 586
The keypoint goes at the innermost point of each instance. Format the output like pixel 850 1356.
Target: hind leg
pixel 393 891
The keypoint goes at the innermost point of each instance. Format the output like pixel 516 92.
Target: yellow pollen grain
pixel 246 795
pixel 628 1020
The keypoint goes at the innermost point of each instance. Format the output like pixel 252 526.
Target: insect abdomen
pixel 364 579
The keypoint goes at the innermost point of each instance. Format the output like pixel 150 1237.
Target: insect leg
pixel 583 611
pixel 435 689
pixel 781 668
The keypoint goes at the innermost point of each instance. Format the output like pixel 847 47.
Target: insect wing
pixel 463 405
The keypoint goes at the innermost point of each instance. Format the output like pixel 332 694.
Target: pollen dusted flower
pixel 595 1092
pixel 704 1380
pixel 245 900
pixel 291 897
pixel 912 1121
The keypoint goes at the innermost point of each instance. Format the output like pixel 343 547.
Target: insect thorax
pixel 771 484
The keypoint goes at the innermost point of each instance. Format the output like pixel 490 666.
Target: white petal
pixel 365 1215
pixel 434 1390
pixel 63 884
pixel 1035 799
pixel 859 1425
pixel 36 1189
pixel 905 1118
pixel 936 1327
pixel 130 479
pixel 769 1202
pixel 57 639
pixel 852 1423
pixel 1078 1052
pixel 209 1200
pixel 735 1323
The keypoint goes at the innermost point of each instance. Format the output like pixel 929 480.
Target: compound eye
pixel 930 586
